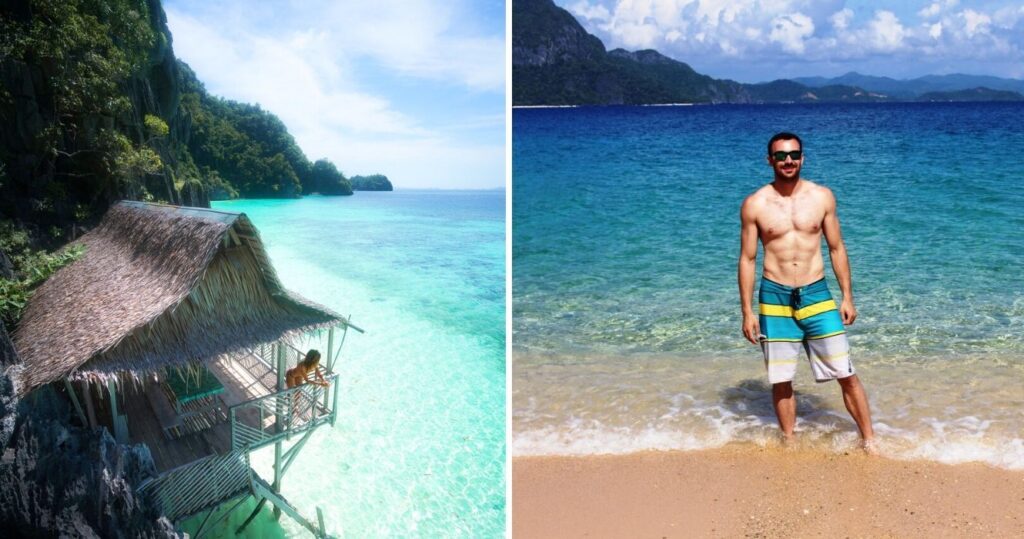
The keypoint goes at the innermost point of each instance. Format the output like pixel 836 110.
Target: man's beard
pixel 796 176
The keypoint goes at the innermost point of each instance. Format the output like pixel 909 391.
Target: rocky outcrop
pixel 8 356
pixel 58 480
pixel 646 57
pixel 6 266
pixel 8 394
pixel 547 34
pixel 61 480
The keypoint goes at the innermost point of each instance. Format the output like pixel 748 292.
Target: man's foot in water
pixel 788 441
pixel 870 447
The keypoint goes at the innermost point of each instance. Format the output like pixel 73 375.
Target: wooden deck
pixel 144 427
pixel 147 414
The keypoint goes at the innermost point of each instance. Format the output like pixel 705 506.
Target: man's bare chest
pixel 780 217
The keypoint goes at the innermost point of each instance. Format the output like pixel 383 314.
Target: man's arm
pixel 747 266
pixel 840 262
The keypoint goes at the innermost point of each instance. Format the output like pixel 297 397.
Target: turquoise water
pixel 419 445
pixel 626 324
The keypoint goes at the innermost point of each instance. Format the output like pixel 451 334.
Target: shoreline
pixel 744 490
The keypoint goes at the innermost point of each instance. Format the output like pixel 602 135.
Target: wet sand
pixel 746 491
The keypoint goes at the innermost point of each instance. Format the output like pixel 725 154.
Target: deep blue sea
pixel 626 318
pixel 419 446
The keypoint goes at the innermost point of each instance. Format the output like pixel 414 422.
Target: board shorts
pixel 807 318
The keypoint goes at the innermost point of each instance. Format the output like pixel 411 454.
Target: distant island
pixel 973 94
pixel 373 182
pixel 556 62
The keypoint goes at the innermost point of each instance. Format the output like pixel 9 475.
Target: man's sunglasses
pixel 781 156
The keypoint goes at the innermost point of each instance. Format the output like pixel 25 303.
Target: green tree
pixel 326 179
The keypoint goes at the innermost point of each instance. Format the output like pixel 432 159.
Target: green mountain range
pixel 556 62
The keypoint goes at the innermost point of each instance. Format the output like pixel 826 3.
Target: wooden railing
pixel 255 423
pixel 200 485
pixel 207 483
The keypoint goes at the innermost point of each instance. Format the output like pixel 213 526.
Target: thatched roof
pixel 159 285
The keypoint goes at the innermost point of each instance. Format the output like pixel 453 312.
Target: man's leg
pixel 857 404
pixel 785 408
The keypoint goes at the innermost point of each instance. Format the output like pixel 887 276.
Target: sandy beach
pixel 748 491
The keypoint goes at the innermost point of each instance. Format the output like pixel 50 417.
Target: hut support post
pixel 330 359
pixel 120 425
pixel 282 364
pixel 334 404
pixel 251 516
pixel 334 359
pixel 293 452
pixel 89 409
pixel 74 400
pixel 330 350
pixel 200 533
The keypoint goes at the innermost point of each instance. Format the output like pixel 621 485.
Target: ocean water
pixel 626 323
pixel 419 446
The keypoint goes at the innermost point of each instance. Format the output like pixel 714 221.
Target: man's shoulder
pixel 759 195
pixel 818 189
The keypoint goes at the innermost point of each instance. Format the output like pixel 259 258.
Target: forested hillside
pixel 94 107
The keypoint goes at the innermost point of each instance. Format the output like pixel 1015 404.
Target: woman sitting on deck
pixel 301 373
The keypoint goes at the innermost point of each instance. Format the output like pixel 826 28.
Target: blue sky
pixel 411 89
pixel 761 40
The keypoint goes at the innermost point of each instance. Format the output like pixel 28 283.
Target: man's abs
pixel 794 261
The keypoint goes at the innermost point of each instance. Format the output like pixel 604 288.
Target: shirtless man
pixel 796 309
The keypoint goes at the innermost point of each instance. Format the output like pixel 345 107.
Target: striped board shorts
pixel 803 317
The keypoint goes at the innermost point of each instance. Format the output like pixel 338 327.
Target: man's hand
pixel 848 311
pixel 751 328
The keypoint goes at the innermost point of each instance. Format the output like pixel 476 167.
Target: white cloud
pixel 930 11
pixel 638 35
pixel 885 31
pixel 1007 17
pixel 975 23
pixel 711 34
pixel 283 77
pixel 588 11
pixel 417 38
pixel 841 19
pixel 937 7
pixel 791 30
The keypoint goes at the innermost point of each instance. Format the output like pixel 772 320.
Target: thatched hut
pixel 159 286
pixel 161 290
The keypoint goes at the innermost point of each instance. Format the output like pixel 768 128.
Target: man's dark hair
pixel 784 136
